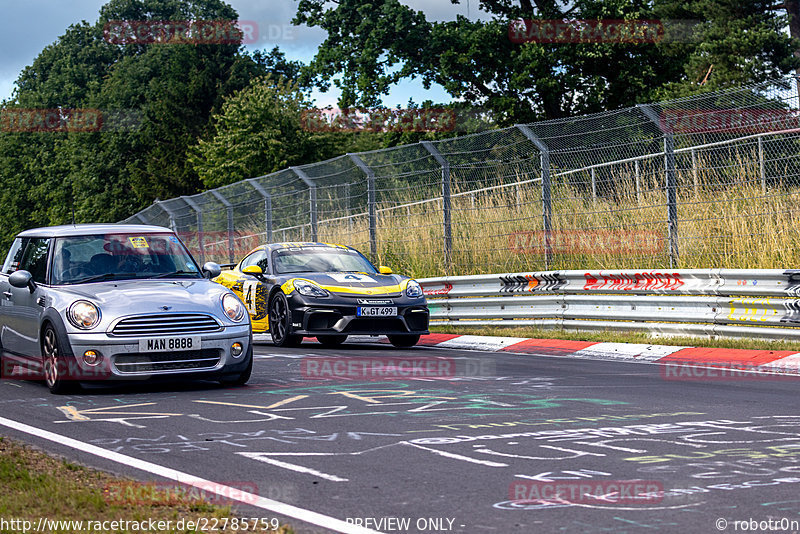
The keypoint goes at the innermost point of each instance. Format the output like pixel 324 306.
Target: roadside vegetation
pixel 36 485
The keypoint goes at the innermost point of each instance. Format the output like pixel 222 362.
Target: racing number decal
pixel 339 277
pixel 253 294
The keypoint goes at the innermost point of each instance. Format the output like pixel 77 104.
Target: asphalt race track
pixel 508 443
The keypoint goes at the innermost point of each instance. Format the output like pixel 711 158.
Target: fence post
pixel 267 207
pixel 694 173
pixel 312 193
pixel 637 173
pixel 547 193
pixel 229 210
pixel 669 171
pixel 761 168
pixel 448 230
pixel 161 204
pixel 200 241
pixel 372 215
pixel 142 218
pixel 594 183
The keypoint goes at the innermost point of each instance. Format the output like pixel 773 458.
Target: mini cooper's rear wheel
pixel 332 340
pixel 280 322
pixel 53 364
pixel 403 340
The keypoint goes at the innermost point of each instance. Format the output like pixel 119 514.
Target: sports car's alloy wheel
pixel 55 373
pixel 403 340
pixel 280 322
pixel 331 340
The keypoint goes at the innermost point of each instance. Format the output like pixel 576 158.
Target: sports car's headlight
pixel 83 314
pixel 413 289
pixel 309 289
pixel 233 307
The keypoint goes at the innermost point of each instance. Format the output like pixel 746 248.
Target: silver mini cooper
pixel 99 302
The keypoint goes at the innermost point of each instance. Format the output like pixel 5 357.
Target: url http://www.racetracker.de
pixel 201 524
pixel 755 525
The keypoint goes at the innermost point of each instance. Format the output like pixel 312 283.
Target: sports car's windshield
pixel 320 260
pixel 95 258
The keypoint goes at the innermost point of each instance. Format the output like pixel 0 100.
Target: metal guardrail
pixel 760 303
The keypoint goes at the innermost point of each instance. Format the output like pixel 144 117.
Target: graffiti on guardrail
pixel 751 309
pixel 793 276
pixel 444 290
pixel 792 314
pixel 643 281
pixel 532 283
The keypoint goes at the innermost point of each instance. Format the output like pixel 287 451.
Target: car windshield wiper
pixel 104 276
pixel 173 273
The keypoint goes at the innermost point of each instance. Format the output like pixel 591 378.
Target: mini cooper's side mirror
pixel 253 270
pixel 384 269
pixel 211 270
pixel 22 279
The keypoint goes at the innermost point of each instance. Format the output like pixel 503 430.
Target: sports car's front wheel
pixel 280 322
pixel 403 340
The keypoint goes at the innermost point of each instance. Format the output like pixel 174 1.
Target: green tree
pixel 373 44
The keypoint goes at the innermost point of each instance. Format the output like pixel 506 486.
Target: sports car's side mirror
pixel 22 279
pixel 211 270
pixel 384 269
pixel 253 270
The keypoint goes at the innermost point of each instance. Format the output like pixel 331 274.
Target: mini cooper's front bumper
pixel 121 358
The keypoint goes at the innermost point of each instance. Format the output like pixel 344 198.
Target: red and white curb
pixel 775 361
pixel 770 361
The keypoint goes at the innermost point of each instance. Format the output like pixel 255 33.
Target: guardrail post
pixel 200 242
pixel 669 171
pixel 547 194
pixel 229 210
pixel 312 193
pixel 372 214
pixel 448 230
pixel 761 169
pixel 267 207
pixel 169 213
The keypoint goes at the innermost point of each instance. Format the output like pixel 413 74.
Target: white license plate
pixel 169 343
pixel 377 311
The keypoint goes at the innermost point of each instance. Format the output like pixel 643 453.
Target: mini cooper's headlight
pixel 233 307
pixel 83 314
pixel 413 289
pixel 309 289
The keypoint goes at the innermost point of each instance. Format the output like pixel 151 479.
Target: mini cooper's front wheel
pixel 280 322
pixel 53 364
pixel 241 378
pixel 403 340
pixel 333 340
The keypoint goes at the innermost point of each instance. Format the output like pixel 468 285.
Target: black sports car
pixel 296 290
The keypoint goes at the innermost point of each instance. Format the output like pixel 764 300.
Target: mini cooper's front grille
pixel 166 324
pixel 154 362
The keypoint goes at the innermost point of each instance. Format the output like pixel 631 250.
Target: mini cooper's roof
pixel 91 229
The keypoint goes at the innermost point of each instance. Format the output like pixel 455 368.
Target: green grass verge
pixel 36 485
pixel 618 337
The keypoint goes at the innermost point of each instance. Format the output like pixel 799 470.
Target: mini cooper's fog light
pixel 91 357
pixel 236 349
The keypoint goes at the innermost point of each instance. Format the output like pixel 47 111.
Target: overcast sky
pixel 28 26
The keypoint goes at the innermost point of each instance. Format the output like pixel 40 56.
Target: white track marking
pixel 292 467
pixel 184 478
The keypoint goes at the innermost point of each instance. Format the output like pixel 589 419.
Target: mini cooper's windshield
pixel 320 260
pixel 95 258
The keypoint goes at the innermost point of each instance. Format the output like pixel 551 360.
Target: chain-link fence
pixel 706 181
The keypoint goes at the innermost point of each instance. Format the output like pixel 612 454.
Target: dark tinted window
pixel 35 258
pixel 256 258
pixel 14 256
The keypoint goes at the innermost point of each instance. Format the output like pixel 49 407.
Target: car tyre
pixel 280 322
pixel 403 340
pixel 53 364
pixel 241 378
pixel 332 340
